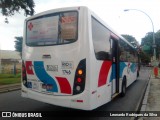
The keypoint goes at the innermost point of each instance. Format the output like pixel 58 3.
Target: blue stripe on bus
pixel 43 76
pixel 133 67
pixel 113 73
pixel 122 66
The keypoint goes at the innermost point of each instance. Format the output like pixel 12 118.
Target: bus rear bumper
pixel 80 101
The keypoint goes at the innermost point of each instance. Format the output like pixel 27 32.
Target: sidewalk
pixel 7 88
pixel 151 101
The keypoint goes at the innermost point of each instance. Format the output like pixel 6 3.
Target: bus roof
pixel 55 10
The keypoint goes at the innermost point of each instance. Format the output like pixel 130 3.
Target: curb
pixel 8 88
pixel 144 96
pixel 144 103
pixel 141 101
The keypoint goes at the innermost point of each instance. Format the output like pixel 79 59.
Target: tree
pixel 9 7
pixel 158 34
pixel 18 44
pixel 147 43
pixel 131 40
pixel 145 58
pixel 148 39
pixel 157 40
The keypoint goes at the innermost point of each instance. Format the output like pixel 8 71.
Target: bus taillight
pixel 80 77
pixel 24 75
pixel 80 72
pixel 79 80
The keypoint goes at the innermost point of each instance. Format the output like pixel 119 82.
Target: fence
pixel 11 68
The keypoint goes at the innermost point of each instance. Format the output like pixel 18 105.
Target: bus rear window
pixel 52 29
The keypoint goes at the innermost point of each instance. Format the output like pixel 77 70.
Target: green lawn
pixel 10 79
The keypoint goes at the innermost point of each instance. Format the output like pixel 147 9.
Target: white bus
pixel 71 58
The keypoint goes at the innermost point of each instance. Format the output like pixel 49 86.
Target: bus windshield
pixel 52 29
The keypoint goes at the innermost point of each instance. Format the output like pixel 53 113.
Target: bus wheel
pixel 123 89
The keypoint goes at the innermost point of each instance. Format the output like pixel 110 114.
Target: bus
pixel 71 58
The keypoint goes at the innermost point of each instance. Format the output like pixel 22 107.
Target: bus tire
pixel 123 92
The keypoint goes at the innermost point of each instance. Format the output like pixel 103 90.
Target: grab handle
pixel 46 56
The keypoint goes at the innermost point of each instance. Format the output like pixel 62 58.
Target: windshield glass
pixel 52 29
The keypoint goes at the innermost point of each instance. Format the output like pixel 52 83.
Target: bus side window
pixel 123 53
pixel 101 43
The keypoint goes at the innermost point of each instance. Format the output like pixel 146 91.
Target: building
pixel 9 60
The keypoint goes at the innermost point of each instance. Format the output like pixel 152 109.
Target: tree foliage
pixel 158 34
pixel 18 44
pixel 148 41
pixel 10 7
pixel 145 57
pixel 131 40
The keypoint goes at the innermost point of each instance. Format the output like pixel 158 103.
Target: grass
pixel 10 78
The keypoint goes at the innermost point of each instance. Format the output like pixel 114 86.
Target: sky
pixel 132 22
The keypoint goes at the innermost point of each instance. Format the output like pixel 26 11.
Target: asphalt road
pixel 12 101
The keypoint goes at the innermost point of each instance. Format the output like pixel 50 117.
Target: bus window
pixel 101 43
pixel 123 52
pixel 127 53
pixel 52 29
pixel 68 26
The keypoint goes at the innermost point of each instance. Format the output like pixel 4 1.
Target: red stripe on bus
pixel 106 65
pixel 80 101
pixel 64 85
pixel 29 67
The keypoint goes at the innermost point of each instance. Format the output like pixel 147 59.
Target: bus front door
pixel 115 73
